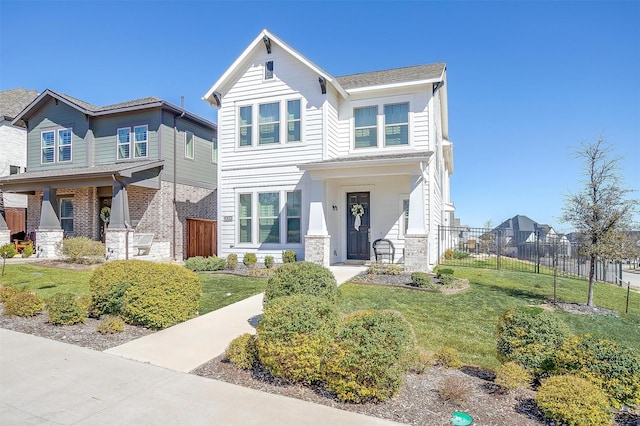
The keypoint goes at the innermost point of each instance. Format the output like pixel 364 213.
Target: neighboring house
pixel 326 165
pixel 151 162
pixel 13 157
pixel 520 233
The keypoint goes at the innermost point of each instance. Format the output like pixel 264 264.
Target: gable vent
pixel 268 70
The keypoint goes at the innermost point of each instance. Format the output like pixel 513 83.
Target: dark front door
pixel 358 239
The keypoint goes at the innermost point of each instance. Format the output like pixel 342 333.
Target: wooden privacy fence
pixel 202 237
pixel 16 219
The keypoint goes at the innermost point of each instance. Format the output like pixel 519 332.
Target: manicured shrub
pixel 448 254
pixel 529 337
pixel 7 251
pixel 242 351
pixel 83 250
pixel 23 304
pixel 111 325
pixel 459 254
pixel 232 262
pixel 511 376
pixel 294 336
pixel 422 280
pixel 423 361
pixel 154 295
pixel 301 278
pixel 614 369
pixel 249 260
pixel 199 263
pixel 268 262
pixel 454 390
pixel 288 256
pixel 448 357
pixel 65 309
pixel 384 269
pixel 27 251
pixel 6 292
pixel 372 354
pixel 573 401
pixel 443 271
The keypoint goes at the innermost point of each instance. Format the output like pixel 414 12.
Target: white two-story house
pixel 325 165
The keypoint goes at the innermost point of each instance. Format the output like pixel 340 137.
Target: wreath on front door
pixel 357 210
pixel 105 214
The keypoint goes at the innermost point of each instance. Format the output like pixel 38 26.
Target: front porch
pixel 356 201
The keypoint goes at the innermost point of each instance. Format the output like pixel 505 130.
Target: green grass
pixel 220 290
pixel 466 321
pixel 45 282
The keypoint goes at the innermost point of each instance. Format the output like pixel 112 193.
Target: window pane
pixel 269 133
pixel 365 116
pixel 64 153
pixel 269 220
pixel 366 137
pixel 268 204
pixel 245 205
pixel 293 110
pixel 293 230
pixel 269 112
pixel 188 147
pixel 66 208
pixel 48 142
pixel 140 133
pixel 245 126
pixel 245 136
pixel 245 230
pixel 245 115
pixel 293 131
pixel 397 135
pixel 64 137
pixel 396 113
pixel 141 149
pixel 293 203
pixel 123 151
pixel 124 136
pixel 64 145
pixel 140 138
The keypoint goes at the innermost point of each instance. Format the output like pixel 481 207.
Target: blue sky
pixel 527 80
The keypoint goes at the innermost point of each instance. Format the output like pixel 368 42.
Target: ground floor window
pixel 66 216
pixel 269 217
pixel 278 217
pixel 244 218
pixel 294 201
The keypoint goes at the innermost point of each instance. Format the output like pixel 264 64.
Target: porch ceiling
pixel 399 163
pixel 82 176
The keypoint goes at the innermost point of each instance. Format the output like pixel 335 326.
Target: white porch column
pixel 416 254
pixel 5 233
pixel 49 233
pixel 317 242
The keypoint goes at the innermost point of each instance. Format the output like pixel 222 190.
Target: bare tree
pixel 601 211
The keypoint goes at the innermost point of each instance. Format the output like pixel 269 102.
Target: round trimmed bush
pixel 249 260
pixel 23 304
pixel 83 250
pixel 65 309
pixel 232 262
pixel 7 292
pixel 294 336
pixel 373 352
pixel 268 262
pixel 301 278
pixel 7 251
pixel 614 369
pixel 111 325
pixel 448 357
pixel 529 337
pixel 242 351
pixel 288 256
pixel 573 401
pixel 154 295
pixel 511 376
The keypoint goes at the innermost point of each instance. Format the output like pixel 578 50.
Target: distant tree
pixel 601 211
pixel 488 239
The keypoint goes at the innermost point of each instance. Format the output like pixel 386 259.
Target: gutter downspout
pixel 175 174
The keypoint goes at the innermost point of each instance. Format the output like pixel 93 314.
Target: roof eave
pixel 413 83
pixel 364 163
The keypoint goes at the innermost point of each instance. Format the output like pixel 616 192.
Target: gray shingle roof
pixel 15 100
pixel 396 75
pixel 93 108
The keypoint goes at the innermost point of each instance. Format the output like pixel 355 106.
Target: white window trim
pixel 134 142
pixel 269 123
pixel 287 121
pixel 385 125
pixel 264 71
pixel 285 239
pixel 118 144
pixel 56 145
pixel 401 228
pixel 255 126
pixel 193 142
pixel 255 220
pixel 380 103
pixel 278 217
pixel 376 127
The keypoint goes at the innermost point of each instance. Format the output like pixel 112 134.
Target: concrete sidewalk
pixel 187 345
pixel 45 382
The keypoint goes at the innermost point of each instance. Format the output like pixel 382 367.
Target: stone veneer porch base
pixel 317 249
pixel 416 254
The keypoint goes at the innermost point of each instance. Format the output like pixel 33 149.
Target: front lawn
pixel 466 321
pixel 218 290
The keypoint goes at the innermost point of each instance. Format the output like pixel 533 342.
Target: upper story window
pixel 293 120
pixel 365 127
pixel 189 145
pixel 269 123
pixel 396 124
pixel 268 70
pixel 277 122
pixel 55 146
pixel 246 125
pixel 139 136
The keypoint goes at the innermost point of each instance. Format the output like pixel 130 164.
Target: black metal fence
pixel 520 251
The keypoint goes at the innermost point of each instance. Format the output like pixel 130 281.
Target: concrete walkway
pixel 45 382
pixel 187 345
